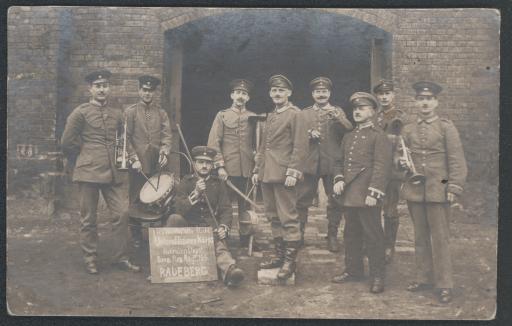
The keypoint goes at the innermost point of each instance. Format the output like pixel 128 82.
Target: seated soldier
pixel 192 210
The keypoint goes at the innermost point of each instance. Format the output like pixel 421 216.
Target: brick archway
pixel 176 17
pixel 189 25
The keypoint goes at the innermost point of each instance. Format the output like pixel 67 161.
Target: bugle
pixel 412 175
pixel 121 153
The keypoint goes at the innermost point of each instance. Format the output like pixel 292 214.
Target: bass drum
pixel 160 199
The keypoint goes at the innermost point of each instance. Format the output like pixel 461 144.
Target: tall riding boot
pixel 332 236
pixel 290 260
pixel 390 232
pixel 278 259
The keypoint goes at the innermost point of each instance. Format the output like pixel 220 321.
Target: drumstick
pixel 159 173
pixel 145 176
pixel 187 152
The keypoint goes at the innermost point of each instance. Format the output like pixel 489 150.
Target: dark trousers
pixel 241 184
pixel 363 226
pixel 224 258
pixel 306 192
pixel 135 183
pixel 390 212
pixel 432 243
pixel 89 196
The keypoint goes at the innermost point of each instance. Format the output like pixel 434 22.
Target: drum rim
pixel 148 186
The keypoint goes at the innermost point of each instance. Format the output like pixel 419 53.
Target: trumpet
pixel 120 151
pixel 412 175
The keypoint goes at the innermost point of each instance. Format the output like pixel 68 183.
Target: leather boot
pixel 390 232
pixel 290 258
pixel 278 259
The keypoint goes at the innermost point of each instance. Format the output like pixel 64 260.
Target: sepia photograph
pixel 304 163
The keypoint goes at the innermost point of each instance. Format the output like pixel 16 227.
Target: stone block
pixel 269 277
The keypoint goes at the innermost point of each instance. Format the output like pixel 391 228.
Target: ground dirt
pixel 45 275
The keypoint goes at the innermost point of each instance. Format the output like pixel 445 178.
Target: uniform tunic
pixel 368 148
pixel 280 155
pixel 232 136
pixel 192 210
pixel 437 153
pixel 332 124
pixel 148 135
pixel 90 133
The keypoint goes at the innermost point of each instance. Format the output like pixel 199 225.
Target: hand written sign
pixel 182 255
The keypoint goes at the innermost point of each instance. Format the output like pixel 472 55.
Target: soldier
pixel 192 210
pixel 437 153
pixel 391 120
pixel 361 173
pixel 232 135
pixel 326 124
pixel 149 138
pixel 278 165
pixel 90 133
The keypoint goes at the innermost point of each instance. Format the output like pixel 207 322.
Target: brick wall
pixel 51 49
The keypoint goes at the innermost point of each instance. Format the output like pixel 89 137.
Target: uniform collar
pixel 98 104
pixel 389 109
pixel 365 125
pixel 284 108
pixel 326 107
pixel 144 105
pixel 428 120
pixel 237 110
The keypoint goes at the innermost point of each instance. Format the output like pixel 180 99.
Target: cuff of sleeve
pixel 218 164
pixel 455 189
pixel 339 177
pixel 293 173
pixel 194 197
pixel 375 193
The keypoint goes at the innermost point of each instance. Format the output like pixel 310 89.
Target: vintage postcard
pixel 252 162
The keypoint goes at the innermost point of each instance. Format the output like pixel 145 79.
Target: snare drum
pixel 158 200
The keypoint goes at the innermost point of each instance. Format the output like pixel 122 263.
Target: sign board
pixel 182 255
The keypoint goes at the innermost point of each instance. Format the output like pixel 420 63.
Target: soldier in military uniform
pixel 278 167
pixel 437 153
pixel 90 134
pixel 191 209
pixel 149 140
pixel 361 174
pixel 232 136
pixel 391 120
pixel 326 124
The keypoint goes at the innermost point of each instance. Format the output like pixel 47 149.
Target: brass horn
pixel 412 175
pixel 121 154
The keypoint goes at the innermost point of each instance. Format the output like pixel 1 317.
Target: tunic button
pixel 423 164
pixel 350 152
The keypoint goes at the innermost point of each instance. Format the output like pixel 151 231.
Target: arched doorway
pixel 203 56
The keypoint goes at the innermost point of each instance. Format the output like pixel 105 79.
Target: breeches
pixel 280 209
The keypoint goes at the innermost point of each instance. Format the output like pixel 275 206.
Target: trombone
pixel 121 153
pixel 412 175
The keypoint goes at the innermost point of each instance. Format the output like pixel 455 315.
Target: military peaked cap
pixel 383 86
pixel 203 153
pixel 98 76
pixel 148 82
pixel 427 88
pixel 280 81
pixel 321 82
pixel 363 98
pixel 241 84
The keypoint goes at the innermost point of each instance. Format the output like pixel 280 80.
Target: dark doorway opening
pixel 203 56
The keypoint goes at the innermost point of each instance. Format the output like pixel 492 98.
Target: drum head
pixel 149 195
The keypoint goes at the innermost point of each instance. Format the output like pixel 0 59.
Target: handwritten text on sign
pixel 182 255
